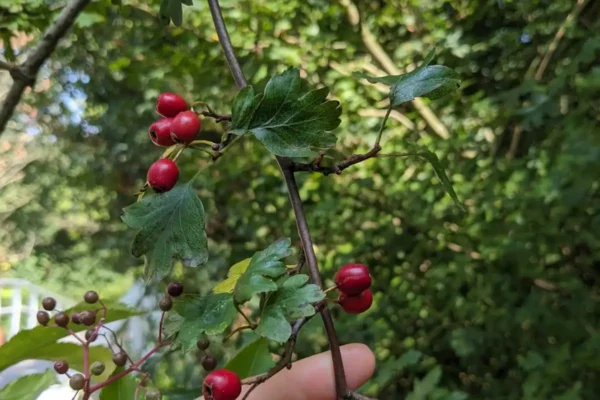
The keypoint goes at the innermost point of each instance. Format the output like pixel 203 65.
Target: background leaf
pixel 288 121
pixel 171 226
pixel 254 359
pixel 28 387
pixel 233 275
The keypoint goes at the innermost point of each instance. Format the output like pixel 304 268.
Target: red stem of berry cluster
pixel 288 173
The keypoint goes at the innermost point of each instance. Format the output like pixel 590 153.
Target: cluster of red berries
pixel 179 125
pixel 353 281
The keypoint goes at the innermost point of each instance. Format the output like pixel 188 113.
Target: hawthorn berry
pixel 61 366
pixel 170 104
pixel 165 304
pixel 42 318
pixel 175 289
pixel 353 279
pixel 185 127
pixel 77 382
pixel 162 175
pixel 153 394
pixel 75 318
pixel 209 363
pixel 119 359
pixel 91 335
pixel 61 319
pixel 91 297
pixel 97 368
pixel 88 317
pixel 356 304
pixel 160 132
pixel 49 303
pixel 221 384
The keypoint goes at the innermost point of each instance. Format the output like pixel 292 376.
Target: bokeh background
pixel 497 303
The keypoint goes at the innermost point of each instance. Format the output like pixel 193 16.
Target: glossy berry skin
pixel 160 132
pixel 175 289
pixel 61 367
pixel 75 318
pixel 91 335
pixel 42 318
pixel 185 127
pixel 61 319
pixel 88 317
pixel 49 303
pixel 221 385
pixel 91 297
pixel 165 304
pixel 119 359
pixel 162 175
pixel 356 304
pixel 209 363
pixel 170 104
pixel 353 279
pixel 77 382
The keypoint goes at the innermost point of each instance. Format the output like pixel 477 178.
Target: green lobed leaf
pixel 264 266
pixel 236 270
pixel 292 300
pixel 32 343
pixel 210 314
pixel 28 387
pixel 288 121
pixel 121 389
pixel 171 226
pixel 175 12
pixel 432 81
pixel 254 359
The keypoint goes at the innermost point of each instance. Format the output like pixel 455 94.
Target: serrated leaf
pixel 439 170
pixel 175 12
pixel 432 81
pixel 171 227
pixel 292 300
pixel 121 389
pixel 33 343
pixel 288 121
pixel 233 275
pixel 210 314
pixel 264 266
pixel 423 387
pixel 28 387
pixel 254 359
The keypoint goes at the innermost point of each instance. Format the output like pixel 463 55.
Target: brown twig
pixel 290 180
pixel 338 167
pixel 217 117
pixel 24 74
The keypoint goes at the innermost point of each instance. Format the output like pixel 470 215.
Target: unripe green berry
pixel 77 382
pixel 97 368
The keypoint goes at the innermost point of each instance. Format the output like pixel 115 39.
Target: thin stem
pixel 160 327
pixel 385 118
pixel 239 310
pixel 236 330
pixel 86 367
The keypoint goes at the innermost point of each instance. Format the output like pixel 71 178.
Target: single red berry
pixel 170 104
pixel 175 289
pixel 221 384
pixel 61 319
pixel 49 303
pixel 356 304
pixel 185 127
pixel 160 132
pixel 61 366
pixel 353 279
pixel 42 318
pixel 163 175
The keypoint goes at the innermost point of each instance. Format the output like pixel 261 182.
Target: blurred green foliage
pixel 497 303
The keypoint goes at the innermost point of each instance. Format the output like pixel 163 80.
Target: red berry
pixel 170 104
pixel 221 384
pixel 185 127
pixel 163 175
pixel 160 132
pixel 353 279
pixel 356 304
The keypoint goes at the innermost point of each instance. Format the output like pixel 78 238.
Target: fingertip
pixel 357 373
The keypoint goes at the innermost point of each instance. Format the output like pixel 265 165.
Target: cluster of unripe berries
pixel 353 281
pixel 179 125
